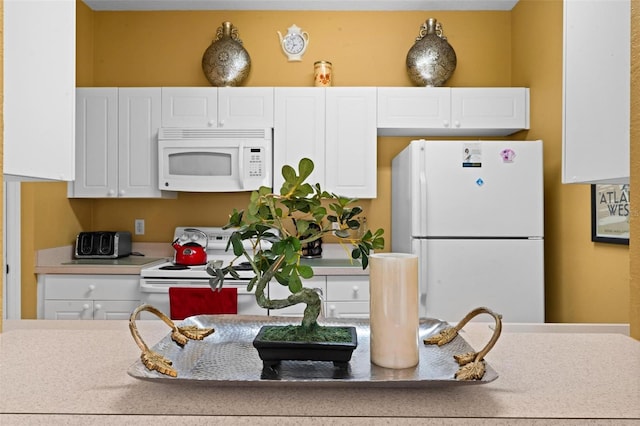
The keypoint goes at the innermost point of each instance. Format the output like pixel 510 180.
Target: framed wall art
pixel 610 213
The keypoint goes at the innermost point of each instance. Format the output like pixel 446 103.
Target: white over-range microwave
pixel 215 160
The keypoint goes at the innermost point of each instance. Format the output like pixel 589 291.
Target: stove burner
pixel 174 267
pixel 244 266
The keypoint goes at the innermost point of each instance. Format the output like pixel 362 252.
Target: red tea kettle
pixel 191 253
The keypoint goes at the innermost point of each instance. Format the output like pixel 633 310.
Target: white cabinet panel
pixel 351 142
pixel 245 107
pixel 299 131
pixel 596 110
pixel 487 109
pixel 410 107
pixel 189 107
pixel 96 142
pixel 80 296
pixel 39 89
pixel 117 143
pixel 348 288
pixel 336 128
pixel 217 107
pixel 138 124
pixel 472 111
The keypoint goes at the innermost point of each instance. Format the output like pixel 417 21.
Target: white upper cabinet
pixel 39 89
pixel 351 142
pixel 299 131
pixel 442 111
pixel 217 107
pixel 117 143
pixel 596 110
pixel 190 107
pixel 336 128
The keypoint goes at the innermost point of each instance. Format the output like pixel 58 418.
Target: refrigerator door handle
pixel 422 195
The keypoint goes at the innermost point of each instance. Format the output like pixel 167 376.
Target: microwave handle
pixel 241 165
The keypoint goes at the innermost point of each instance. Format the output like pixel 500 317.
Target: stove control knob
pixel 184 238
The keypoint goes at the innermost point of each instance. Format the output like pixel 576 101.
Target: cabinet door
pixel 351 141
pixel 501 111
pixel 596 110
pixel 245 107
pixel 39 84
pixel 138 123
pixel 405 111
pixel 68 309
pixel 91 287
pixel 190 107
pixel 348 288
pixel 299 131
pixel 96 143
pixel 347 309
pixel 114 309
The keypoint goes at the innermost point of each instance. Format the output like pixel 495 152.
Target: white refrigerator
pixel 473 213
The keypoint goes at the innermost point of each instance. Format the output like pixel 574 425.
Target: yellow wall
pixel 585 281
pixel 634 249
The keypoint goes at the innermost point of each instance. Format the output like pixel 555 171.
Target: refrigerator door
pixel 481 189
pixel 506 276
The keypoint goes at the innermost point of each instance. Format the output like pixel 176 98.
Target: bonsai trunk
pixel 306 295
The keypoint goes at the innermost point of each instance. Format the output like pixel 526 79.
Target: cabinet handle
pixel 221 124
pixel 85 307
pixel 92 287
pixel 98 307
pixel 121 193
pixel 332 310
pixel 111 193
pixel 446 123
pixel 211 123
pixel 356 289
pixel 457 124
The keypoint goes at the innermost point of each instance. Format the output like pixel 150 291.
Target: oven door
pixel 155 292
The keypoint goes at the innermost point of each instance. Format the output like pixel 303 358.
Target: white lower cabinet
pixel 345 296
pixel 67 297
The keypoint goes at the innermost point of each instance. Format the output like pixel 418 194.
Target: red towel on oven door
pixel 186 301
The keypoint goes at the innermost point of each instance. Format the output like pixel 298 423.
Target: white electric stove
pixel 156 280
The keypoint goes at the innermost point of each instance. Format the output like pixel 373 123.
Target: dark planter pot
pixel 272 352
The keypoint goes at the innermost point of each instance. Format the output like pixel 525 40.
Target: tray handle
pixel 472 365
pixel 180 335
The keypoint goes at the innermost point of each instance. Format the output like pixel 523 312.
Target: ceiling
pixel 343 5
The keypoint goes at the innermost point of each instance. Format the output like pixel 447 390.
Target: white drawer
pixel 347 288
pixel 92 287
pixel 347 309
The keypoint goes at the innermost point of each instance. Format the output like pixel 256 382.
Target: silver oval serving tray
pixel 227 357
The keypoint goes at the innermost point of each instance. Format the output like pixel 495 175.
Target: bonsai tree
pixel 278 226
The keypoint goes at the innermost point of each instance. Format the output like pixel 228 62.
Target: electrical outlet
pixel 139 226
pixel 335 225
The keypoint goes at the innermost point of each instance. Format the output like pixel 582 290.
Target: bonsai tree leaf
pixel 305 271
pixel 305 168
pixel 236 242
pixel 295 284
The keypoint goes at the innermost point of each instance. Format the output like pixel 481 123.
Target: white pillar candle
pixel 393 306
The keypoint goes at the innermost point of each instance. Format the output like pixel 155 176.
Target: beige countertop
pixel 59 260
pixel 75 372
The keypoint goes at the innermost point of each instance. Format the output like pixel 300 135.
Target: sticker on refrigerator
pixel 508 155
pixel 471 155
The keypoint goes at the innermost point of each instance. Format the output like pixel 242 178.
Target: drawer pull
pixel 85 307
pixel 92 287
pixel 98 307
